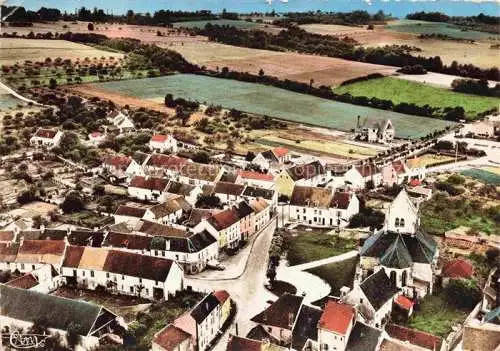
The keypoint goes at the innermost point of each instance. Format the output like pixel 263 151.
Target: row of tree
pixel 477 87
pixel 347 18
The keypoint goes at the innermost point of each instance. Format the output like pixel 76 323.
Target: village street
pixel 247 290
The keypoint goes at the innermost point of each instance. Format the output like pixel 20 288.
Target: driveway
pixel 247 290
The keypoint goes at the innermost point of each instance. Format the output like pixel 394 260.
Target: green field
pixel 337 274
pixel 220 22
pixel 266 100
pixel 422 27
pixel 399 90
pixel 483 176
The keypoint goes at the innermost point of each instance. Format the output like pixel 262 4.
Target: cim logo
pixel 25 341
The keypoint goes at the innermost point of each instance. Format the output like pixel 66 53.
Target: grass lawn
pixel 399 90
pixel 436 316
pixel 315 245
pixel 267 100
pixel 337 274
pixel 323 146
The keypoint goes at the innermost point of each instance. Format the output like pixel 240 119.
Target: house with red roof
pixel 47 138
pixel 120 168
pixel 148 188
pixel 335 325
pixel 358 177
pixel 456 269
pixel 161 143
pixel 395 172
pixel 172 338
pixel 256 179
pixel 160 164
pixel 95 138
pixel 225 304
pixel 224 226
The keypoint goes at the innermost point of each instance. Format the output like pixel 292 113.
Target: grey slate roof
pixel 203 309
pixel 27 305
pixel 378 289
pixel 305 326
pixel 363 338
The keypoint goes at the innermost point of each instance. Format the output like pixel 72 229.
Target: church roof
pixel 400 250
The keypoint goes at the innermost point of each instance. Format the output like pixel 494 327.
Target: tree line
pixel 299 40
pixel 480 22
pixel 477 87
pixel 348 18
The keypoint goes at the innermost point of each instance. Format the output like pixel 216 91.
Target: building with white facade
pixel 374 131
pixel 161 143
pixel 47 138
pixel 148 188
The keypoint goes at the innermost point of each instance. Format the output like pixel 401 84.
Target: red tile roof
pixel 150 183
pixel 255 175
pixel 414 337
pixel 42 247
pixel 170 337
pixel 130 211
pixel 137 265
pixel 26 281
pixel 336 317
pixel 73 256
pixel 118 161
pixel 95 134
pixel 341 200
pixel 167 162
pixel 160 138
pixel 46 133
pixel 224 219
pixel 458 268
pixel 237 343
pixel 280 151
pixel 8 252
pixel 221 295
pixel 415 182
pixel 399 166
pixel 229 188
pixel 404 302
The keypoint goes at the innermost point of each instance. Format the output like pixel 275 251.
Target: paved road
pixel 313 264
pixel 248 290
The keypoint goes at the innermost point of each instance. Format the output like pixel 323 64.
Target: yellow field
pixel 333 148
pixel 18 50
pixel 495 170
pixel 430 159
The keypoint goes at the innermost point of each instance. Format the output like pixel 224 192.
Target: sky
pixel 397 8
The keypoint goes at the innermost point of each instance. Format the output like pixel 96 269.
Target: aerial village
pixel 133 224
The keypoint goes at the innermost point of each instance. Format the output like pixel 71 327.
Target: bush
pixel 463 293
pixel 73 203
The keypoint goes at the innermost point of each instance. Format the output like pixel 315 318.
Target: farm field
pixel 7 100
pixel 399 90
pixel 301 67
pixel 220 22
pixel 422 27
pixel 18 50
pixel 490 175
pixel 428 160
pixel 434 79
pixel 267 100
pixel 334 148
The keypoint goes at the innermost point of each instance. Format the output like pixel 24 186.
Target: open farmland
pixel 19 50
pixel 220 22
pixel 7 100
pixel 399 90
pixel 300 67
pixel 267 100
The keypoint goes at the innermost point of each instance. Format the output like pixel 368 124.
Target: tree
pixel 73 203
pixel 169 101
pixel 90 26
pixel 261 73
pixel 72 334
pixel 208 201
pixel 463 293
pixel 201 157
pixel 52 83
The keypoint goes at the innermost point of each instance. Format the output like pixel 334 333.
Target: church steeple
pixel 402 216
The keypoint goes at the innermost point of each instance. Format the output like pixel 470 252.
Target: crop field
pixel 18 50
pixel 399 90
pixel 301 67
pixel 333 148
pixel 428 160
pixel 422 27
pixel 219 22
pixel 486 175
pixel 267 100
pixel 434 79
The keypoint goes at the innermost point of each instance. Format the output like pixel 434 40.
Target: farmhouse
pixel 322 207
pixel 121 168
pixel 161 143
pixel 44 279
pixel 148 188
pixel 189 192
pixel 122 272
pixel 228 192
pixel 200 174
pixel 310 174
pixel 160 164
pixel 374 131
pixel 21 308
pixel 121 121
pixel 47 138
pixel 192 251
pixel 401 250
pixel 256 179
pixel 33 254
